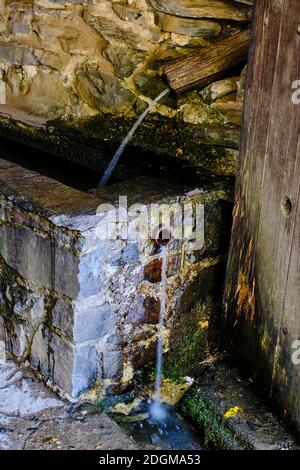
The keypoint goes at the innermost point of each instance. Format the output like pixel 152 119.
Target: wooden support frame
pixel 262 291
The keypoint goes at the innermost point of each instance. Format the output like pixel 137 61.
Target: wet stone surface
pixel 32 417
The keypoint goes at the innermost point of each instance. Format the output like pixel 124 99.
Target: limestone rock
pixel 231 108
pixel 94 432
pixel 21 5
pixel 21 395
pixel 124 59
pixel 188 26
pixel 17 82
pixel 103 91
pixel 51 100
pixel 219 89
pixel 220 9
pixel 67 32
pixel 73 369
pixel 54 60
pixel 33 417
pixel 13 53
pixel 125 12
pixel 20 22
pixel 115 33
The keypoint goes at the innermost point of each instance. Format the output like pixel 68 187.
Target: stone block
pixel 86 369
pixel 90 276
pixel 145 309
pixel 22 311
pixel 84 310
pixel 44 262
pixel 62 316
pixel 93 322
pixel 112 364
pixel 17 54
pixel 20 22
pixel 103 91
pixel 188 26
pixel 73 369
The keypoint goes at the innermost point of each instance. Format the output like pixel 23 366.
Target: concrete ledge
pixel 228 411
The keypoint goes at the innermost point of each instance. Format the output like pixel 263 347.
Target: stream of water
pixel 157 411
pixel 109 170
pixel 172 433
pixel 154 424
pixel 162 427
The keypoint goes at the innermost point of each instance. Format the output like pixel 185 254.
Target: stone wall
pixel 75 60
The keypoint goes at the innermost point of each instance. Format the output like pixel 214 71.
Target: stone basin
pixel 84 310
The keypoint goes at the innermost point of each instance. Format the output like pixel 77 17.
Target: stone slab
pixel 228 409
pixel 32 417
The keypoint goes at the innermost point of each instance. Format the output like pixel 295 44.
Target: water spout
pixel 108 172
pixel 157 411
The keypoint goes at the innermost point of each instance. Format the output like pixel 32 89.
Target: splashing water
pixel 173 433
pixel 157 411
pixel 108 172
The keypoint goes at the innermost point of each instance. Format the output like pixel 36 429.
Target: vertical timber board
pixel 262 290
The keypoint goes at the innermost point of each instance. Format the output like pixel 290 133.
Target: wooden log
pixel 217 9
pixel 208 64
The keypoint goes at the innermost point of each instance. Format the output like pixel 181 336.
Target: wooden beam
pixel 208 64
pixel 262 291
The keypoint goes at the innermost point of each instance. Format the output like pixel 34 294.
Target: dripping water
pixel 109 170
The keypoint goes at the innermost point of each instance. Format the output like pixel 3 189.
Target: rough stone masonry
pixel 84 311
pixel 91 62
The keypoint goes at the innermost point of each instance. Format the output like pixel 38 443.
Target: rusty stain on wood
pixel 245 291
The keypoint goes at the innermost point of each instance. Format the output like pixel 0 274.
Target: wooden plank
pixel 262 286
pixel 208 64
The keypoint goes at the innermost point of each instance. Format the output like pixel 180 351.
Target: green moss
pixel 217 434
pixel 186 355
pixel 189 343
pixel 92 141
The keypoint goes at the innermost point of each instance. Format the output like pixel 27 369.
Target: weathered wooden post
pixel 262 294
